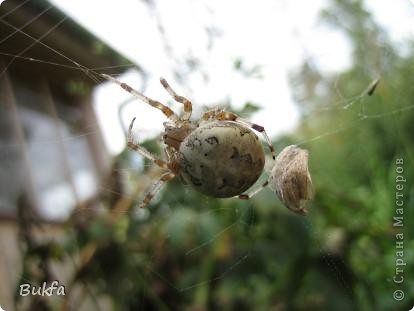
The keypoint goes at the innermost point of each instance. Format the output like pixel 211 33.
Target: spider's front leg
pixel 162 164
pixel 156 104
pixel 188 106
pixel 142 151
pixel 156 187
pixel 222 115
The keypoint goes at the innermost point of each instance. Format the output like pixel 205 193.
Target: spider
pixel 218 155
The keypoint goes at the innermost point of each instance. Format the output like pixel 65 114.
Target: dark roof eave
pixel 62 34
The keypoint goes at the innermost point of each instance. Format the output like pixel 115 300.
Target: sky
pixel 274 35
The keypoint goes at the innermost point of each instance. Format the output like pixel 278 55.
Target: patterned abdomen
pixel 221 159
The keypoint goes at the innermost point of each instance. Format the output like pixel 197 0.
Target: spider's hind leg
pixel 156 187
pixel 248 196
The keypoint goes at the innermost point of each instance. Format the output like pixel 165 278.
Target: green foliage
pixel 77 88
pixel 248 71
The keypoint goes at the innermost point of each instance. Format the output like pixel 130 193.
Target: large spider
pixel 218 155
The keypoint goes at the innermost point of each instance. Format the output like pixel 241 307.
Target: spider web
pixel 238 216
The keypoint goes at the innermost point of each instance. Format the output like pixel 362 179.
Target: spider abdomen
pixel 221 159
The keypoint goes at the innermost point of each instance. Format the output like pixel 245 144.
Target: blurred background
pixel 69 189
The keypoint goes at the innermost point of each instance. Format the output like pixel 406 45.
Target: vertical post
pixel 10 261
pixel 51 109
pixel 100 155
pixel 17 130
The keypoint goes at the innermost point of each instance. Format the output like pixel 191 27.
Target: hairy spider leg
pixel 222 115
pixel 247 196
pixel 142 151
pixel 188 106
pixel 156 104
pixel 156 187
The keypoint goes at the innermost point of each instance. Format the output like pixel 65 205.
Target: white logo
pixel 1 1
pixel 412 309
pixel 1 309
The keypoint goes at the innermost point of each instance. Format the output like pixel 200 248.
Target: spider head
pixel 174 135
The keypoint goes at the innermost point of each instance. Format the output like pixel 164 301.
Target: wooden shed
pixel 52 152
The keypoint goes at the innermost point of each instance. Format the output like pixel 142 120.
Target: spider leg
pixel 142 151
pixel 156 187
pixel 188 106
pixel 156 104
pixel 247 196
pixel 230 116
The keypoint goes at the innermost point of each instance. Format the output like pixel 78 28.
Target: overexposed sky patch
pixel 274 35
